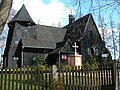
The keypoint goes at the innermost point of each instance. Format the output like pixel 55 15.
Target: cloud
pixel 47 14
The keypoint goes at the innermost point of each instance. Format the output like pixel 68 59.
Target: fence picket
pixel 9 78
pixel 35 77
pixel 50 80
pixel 118 75
pixel 63 75
pixel 97 74
pixel 118 72
pixel 96 77
pixel 1 81
pixel 85 77
pixel 70 83
pixel 5 79
pixel 109 76
pixel 94 80
pixel 82 76
pixel 73 79
pixel 91 79
pixel 42 79
pixel 99 80
pixel 79 78
pixel 46 80
pixel 106 75
pixel 28 73
pixel 13 73
pixel 88 77
pixel 20 75
pixel 66 73
pixel 101 73
pixel 16 78
pixel 31 81
pixel 38 78
pixel 76 78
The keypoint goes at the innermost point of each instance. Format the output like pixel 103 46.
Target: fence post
pixel 117 86
pixel 114 77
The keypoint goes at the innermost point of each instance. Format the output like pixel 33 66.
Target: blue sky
pixel 46 1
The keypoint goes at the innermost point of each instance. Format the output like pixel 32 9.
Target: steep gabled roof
pixel 81 21
pixel 76 30
pixel 22 15
pixel 65 47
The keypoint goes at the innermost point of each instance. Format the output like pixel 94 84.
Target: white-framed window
pixel 104 55
pixel 15 58
pixel 64 56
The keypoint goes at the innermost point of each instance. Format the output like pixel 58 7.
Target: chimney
pixel 71 18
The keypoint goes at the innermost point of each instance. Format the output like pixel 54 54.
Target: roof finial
pixel 23 1
pixel 71 17
pixel 71 11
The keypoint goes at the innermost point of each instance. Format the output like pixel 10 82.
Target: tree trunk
pixel 5 8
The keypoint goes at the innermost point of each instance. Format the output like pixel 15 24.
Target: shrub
pixel 38 60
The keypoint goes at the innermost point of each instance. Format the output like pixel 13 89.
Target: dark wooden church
pixel 26 39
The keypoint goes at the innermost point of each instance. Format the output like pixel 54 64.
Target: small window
pixel 92 50
pixel 88 51
pixel 29 23
pixel 104 55
pixel 16 41
pixel 96 51
pixel 64 57
pixel 15 58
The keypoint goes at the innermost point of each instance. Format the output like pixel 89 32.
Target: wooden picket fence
pixel 71 78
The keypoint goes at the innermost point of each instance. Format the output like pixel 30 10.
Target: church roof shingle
pixel 46 36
